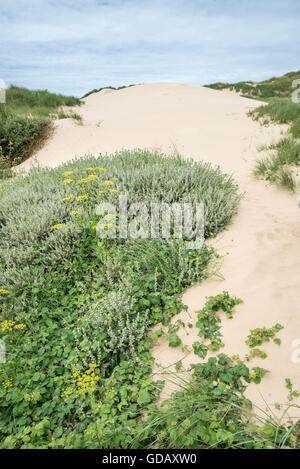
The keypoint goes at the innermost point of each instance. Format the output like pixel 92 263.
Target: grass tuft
pixel 276 167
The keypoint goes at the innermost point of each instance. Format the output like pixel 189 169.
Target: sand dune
pixel 262 245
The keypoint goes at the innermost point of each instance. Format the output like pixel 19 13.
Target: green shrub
pixel 26 121
pixel 22 134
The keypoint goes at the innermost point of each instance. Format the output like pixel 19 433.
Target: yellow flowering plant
pixel 9 326
pixel 82 383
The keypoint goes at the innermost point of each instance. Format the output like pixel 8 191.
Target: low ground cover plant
pixel 209 408
pixel 210 411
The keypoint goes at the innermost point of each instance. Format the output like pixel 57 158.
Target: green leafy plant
pixel 200 349
pixel 260 335
pixel 208 318
pixel 257 374
pixel 256 353
pixel 174 340
pixel 209 410
pixel 292 392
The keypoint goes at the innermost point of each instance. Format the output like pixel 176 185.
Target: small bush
pixel 19 136
pixel 26 121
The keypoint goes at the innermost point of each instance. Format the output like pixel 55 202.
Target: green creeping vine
pixel 260 335
pixel 208 321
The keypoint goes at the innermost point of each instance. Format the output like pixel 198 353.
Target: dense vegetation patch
pixel 36 102
pixel 274 87
pixel 76 309
pixel 26 121
pixel 210 411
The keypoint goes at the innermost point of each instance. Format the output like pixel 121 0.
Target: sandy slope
pixel 263 262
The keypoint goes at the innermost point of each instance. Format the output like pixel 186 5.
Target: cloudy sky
pixel 73 46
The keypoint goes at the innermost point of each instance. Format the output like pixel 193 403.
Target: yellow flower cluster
pixel 74 212
pixel 92 430
pixel 56 227
pixel 7 326
pixel 97 168
pixel 10 325
pixel 2 290
pixel 90 178
pixel 87 382
pixel 110 393
pixel 107 183
pixel 67 198
pixel 67 181
pixel 67 392
pixel 68 173
pixel 82 197
pixel 20 327
pixel 7 383
pixel 83 383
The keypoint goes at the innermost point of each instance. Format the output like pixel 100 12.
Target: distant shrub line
pixel 26 121
pixel 274 87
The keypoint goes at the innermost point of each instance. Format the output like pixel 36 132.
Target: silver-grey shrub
pixel 31 204
pixel 115 316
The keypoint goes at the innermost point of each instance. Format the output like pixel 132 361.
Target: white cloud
pixel 71 46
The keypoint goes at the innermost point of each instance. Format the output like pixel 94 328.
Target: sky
pixel 74 46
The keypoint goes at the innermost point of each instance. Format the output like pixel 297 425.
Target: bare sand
pixel 262 261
